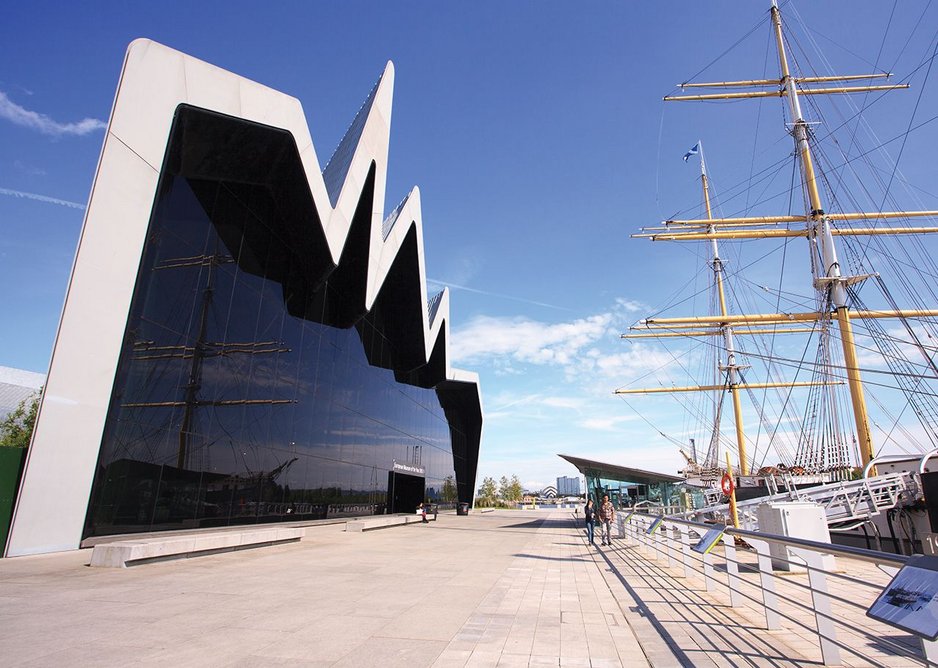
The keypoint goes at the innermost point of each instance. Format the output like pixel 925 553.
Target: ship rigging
pixel 826 444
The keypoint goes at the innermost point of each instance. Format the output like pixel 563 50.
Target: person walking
pixel 607 515
pixel 589 515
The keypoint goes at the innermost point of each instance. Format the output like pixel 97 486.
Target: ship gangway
pixel 844 502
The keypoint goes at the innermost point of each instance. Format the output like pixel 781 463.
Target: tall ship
pixel 807 371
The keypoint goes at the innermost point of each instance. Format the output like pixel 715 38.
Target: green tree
pixel 515 490
pixel 448 493
pixel 504 489
pixel 17 428
pixel 488 491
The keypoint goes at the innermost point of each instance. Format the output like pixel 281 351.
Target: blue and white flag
pixel 695 149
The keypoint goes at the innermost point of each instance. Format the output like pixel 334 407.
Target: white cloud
pixel 527 341
pixel 28 170
pixel 47 126
pixel 632 306
pixel 569 403
pixel 605 423
pixel 587 347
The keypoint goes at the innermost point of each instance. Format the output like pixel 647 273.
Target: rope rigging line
pixel 924 406
pixel 758 26
pixel 650 423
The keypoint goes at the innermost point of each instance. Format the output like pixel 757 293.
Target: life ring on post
pixel 726 484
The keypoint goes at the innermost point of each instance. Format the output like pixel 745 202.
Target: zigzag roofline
pixel 336 190
pixel 155 81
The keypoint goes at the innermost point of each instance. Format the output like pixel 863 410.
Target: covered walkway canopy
pixel 625 485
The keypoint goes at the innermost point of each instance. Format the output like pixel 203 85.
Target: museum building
pixel 246 338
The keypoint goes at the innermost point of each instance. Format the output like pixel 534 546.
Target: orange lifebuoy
pixel 726 484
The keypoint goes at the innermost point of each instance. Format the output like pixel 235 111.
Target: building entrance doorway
pixel 405 492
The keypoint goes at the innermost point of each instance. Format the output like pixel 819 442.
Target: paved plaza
pixel 504 588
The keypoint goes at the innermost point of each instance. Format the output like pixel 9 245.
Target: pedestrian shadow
pixel 533 524
pixel 646 612
pixel 542 557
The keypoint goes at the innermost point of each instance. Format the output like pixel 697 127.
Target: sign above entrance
pixel 409 468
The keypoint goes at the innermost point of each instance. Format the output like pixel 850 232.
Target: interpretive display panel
pixel 709 540
pixel 910 601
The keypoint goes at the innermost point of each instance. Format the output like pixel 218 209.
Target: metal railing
pixel 828 593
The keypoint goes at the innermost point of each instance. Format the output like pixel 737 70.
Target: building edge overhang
pixel 621 473
pixel 154 81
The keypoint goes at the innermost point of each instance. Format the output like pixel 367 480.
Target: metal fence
pixel 747 567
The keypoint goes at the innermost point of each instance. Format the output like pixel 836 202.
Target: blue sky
pixel 538 138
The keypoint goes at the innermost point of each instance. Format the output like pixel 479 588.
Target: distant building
pixel 567 486
pixel 549 492
pixel 17 385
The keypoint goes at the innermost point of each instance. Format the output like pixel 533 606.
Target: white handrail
pixel 673 540
pixel 924 460
pixel 885 459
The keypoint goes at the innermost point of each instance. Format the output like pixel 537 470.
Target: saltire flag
pixel 695 149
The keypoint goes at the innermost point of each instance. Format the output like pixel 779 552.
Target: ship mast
pixel 829 281
pixel 820 233
pixel 719 325
pixel 731 368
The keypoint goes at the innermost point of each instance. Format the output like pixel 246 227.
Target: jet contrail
pixel 42 198
pixel 496 294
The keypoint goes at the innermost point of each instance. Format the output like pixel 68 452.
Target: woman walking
pixel 589 514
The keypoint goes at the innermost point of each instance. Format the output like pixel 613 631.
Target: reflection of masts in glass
pixel 197 354
pixel 195 369
pixel 830 283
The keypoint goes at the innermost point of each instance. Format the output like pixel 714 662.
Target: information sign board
pixel 653 527
pixel 910 601
pixel 709 540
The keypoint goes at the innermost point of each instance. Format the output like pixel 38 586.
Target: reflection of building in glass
pixel 267 351
pixel 567 486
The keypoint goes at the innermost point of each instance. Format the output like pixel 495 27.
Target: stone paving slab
pixel 710 632
pixel 507 588
pixel 488 589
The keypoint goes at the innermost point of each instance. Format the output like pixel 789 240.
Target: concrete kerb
pixel 384 522
pixel 124 553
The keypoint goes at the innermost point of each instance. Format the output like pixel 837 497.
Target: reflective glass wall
pixel 236 399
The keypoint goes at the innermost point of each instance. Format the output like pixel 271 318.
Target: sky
pixel 537 135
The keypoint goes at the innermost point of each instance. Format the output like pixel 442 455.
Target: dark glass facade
pixel 252 386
